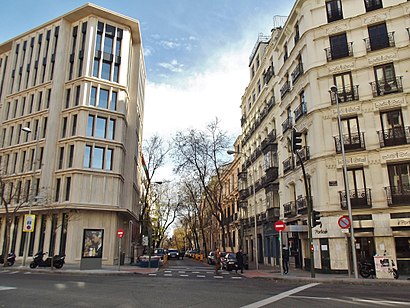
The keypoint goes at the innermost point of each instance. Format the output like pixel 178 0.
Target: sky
pixel 196 53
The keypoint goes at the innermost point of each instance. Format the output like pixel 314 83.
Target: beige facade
pixel 77 82
pixel 363 48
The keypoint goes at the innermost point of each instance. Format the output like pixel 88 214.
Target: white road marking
pixel 7 288
pixel 167 271
pixel 152 274
pixel 181 272
pixel 60 286
pixel 184 275
pixel 195 272
pixel 350 300
pixel 218 277
pixel 27 273
pixel 200 276
pixel 15 272
pixel 280 296
pixel 235 277
pixel 168 275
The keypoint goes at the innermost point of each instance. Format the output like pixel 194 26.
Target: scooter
pixel 368 268
pixel 58 260
pixel 10 259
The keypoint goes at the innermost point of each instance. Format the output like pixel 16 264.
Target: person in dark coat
pixel 239 260
pixel 285 259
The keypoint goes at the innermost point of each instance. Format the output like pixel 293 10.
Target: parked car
pixel 211 258
pixel 161 252
pixel 229 261
pixel 173 254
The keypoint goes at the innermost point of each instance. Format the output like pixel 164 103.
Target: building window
pixel 64 128
pixel 61 158
pixel 339 48
pixel 379 38
pixel 93 96
pixel 346 91
pixel 386 80
pixel 100 127
pixel 67 188
pixel 372 5
pixel 113 103
pixel 285 53
pixel 103 101
pixel 393 130
pixel 98 157
pixel 57 195
pixel 399 179
pixel 74 125
pixel 352 138
pixel 71 156
pixel 87 156
pixel 77 95
pixel 297 35
pixel 334 10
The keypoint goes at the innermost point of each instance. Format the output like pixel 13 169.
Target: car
pixel 161 252
pixel 229 261
pixel 211 258
pixel 173 254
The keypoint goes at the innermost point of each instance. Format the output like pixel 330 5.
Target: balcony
pixel 387 86
pixel 270 103
pixel 372 5
pixel 304 155
pixel 300 111
pixel 288 165
pixel 346 94
pixel 243 194
pixel 287 124
pixel 271 175
pixel 394 136
pixel 243 121
pixel 268 75
pixel 398 195
pixel 352 142
pixel 273 214
pixel 289 209
pixel 380 41
pixel 359 198
pixel 297 72
pixel 285 89
pixel 339 51
pixel 302 205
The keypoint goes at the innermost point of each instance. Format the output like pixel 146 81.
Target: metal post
pixel 333 89
pixel 281 252
pixel 33 168
pixel 119 254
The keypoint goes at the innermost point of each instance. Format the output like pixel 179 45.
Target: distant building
pixel 77 83
pixel 363 48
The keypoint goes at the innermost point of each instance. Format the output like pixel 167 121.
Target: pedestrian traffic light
pixel 316 218
pixel 296 140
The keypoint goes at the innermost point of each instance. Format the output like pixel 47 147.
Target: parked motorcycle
pixel 11 258
pixel 368 268
pixel 38 260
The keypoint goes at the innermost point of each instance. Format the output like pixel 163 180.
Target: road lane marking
pixel 200 276
pixel 195 272
pixel 168 275
pixel 235 277
pixel 354 299
pixel 152 274
pixel 7 288
pixel 280 296
pixel 184 275
pixel 218 277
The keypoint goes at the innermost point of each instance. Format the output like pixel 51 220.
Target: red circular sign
pixel 120 233
pixel 344 222
pixel 280 225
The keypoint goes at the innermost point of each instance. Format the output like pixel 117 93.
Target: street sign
pixel 120 233
pixel 28 225
pixel 344 222
pixel 280 225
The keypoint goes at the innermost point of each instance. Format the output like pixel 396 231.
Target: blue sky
pixel 196 52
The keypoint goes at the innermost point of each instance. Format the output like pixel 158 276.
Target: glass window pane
pixel 108 41
pixel 90 126
pixel 106 70
pixel 95 67
pixel 111 130
pixel 113 105
pixel 93 96
pixel 100 127
pixel 87 156
pixel 116 72
pixel 98 156
pixel 103 102
pixel 108 160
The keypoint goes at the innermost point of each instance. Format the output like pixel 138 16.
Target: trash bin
pixel 122 258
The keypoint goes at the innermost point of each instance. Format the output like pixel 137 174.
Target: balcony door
pixel 351 134
pixel 378 36
pixel 338 46
pixel 399 178
pixel 392 127
pixel 385 79
pixel 357 188
pixel 344 84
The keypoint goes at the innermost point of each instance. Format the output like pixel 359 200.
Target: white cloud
pixel 173 66
pixel 169 44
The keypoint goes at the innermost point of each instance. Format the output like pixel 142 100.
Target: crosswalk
pixel 200 273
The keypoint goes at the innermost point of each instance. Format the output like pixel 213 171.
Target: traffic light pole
pixel 309 218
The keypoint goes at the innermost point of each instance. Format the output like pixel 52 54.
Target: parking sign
pixel 28 225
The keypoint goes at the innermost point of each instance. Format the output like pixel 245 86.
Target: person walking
pixel 239 261
pixel 217 261
pixel 285 259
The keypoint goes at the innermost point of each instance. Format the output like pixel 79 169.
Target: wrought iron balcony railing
pixel 398 195
pixel 268 75
pixel 352 142
pixel 301 205
pixel 380 41
pixel 297 72
pixel 394 136
pixel 359 198
pixel 288 165
pixel 300 111
pixel 285 89
pixel 346 94
pixel 289 209
pixel 387 86
pixel 334 14
pixel 243 194
pixel 304 155
pixel 339 51
pixel 287 124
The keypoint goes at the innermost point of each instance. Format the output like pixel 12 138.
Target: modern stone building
pixel 363 48
pixel 71 102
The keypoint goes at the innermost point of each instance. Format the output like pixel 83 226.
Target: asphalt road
pixel 186 287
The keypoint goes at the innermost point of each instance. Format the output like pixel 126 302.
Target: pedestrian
pixel 285 259
pixel 239 260
pixel 217 261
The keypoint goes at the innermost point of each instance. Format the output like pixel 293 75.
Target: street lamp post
pixel 33 168
pixel 333 90
pixel 230 152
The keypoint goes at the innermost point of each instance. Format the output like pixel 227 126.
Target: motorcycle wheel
pixel 395 274
pixel 58 265
pixel 364 272
pixel 33 265
pixel 10 263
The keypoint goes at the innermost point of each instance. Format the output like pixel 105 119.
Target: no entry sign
pixel 344 222
pixel 280 225
pixel 120 233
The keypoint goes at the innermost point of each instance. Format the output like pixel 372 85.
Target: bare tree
pixel 154 155
pixel 202 153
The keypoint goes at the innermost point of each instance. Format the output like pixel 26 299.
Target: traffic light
pixel 316 218
pixel 296 140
